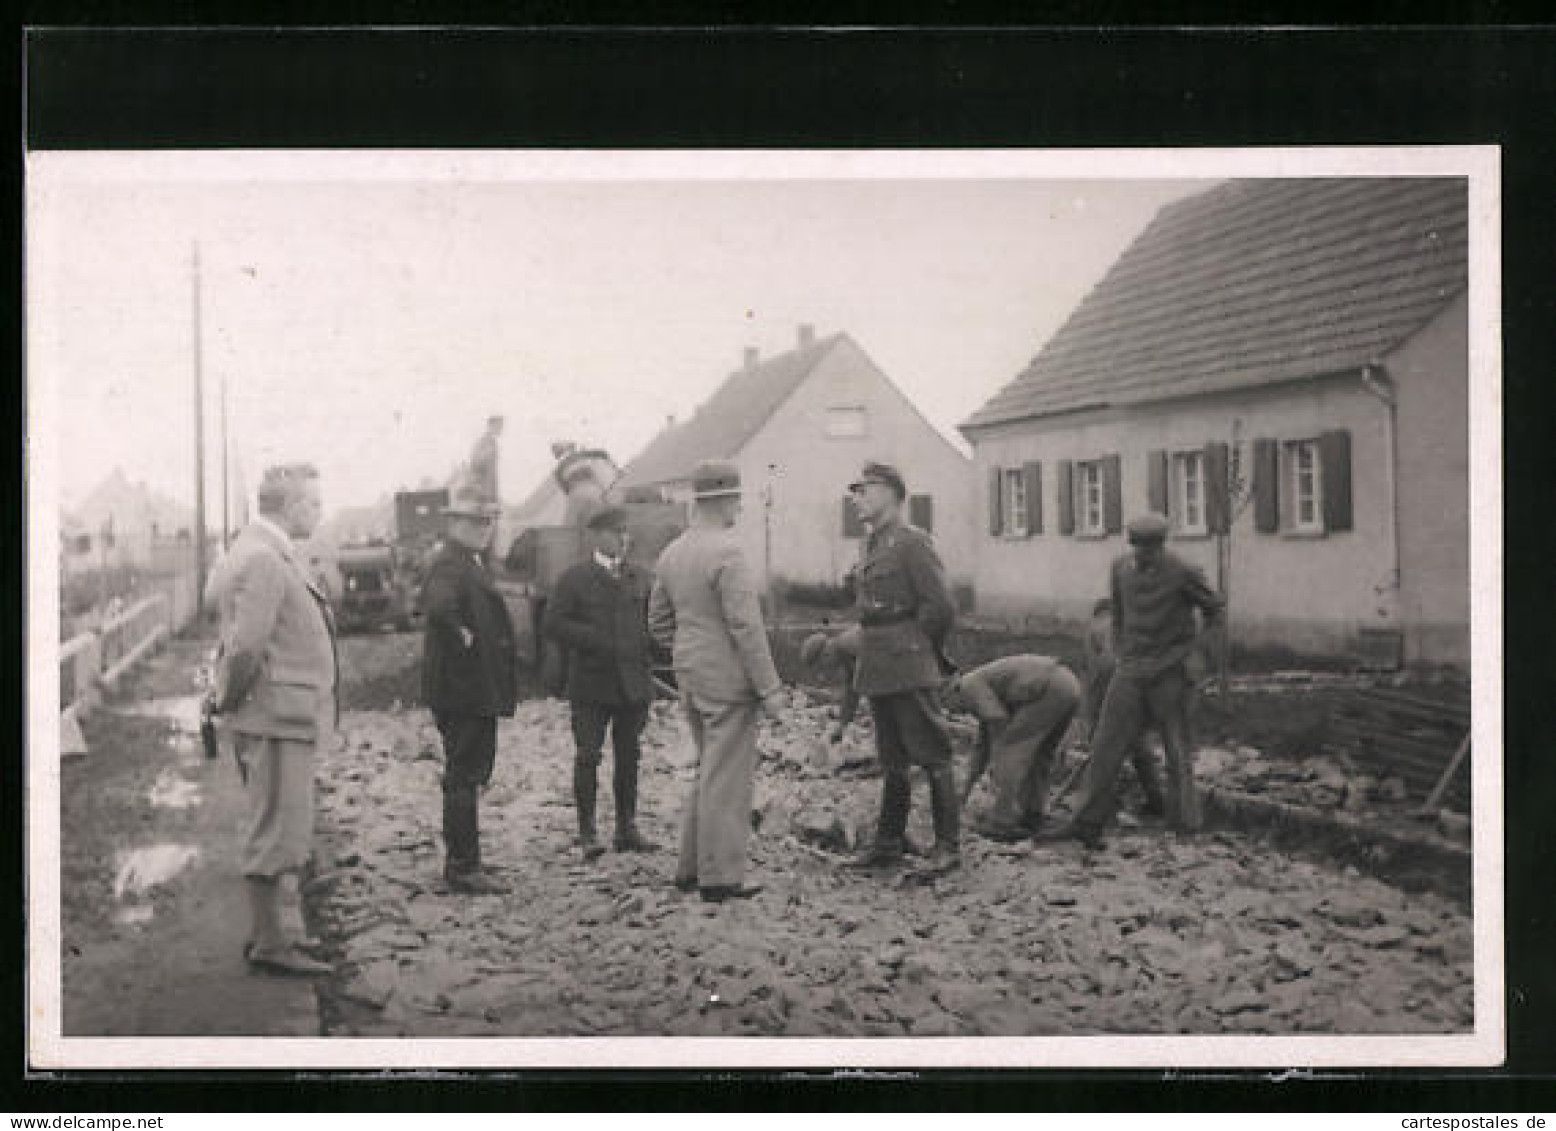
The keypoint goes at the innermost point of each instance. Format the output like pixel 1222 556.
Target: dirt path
pixel 154 913
pixel 1219 933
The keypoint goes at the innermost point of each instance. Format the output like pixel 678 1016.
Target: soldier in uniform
pixel 905 614
pixel 1154 596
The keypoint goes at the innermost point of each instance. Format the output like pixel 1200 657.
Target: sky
pixel 370 323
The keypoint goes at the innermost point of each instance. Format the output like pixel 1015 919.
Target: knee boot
pixel 892 824
pixel 461 832
pixel 947 812
pixel 1150 783
pixel 585 786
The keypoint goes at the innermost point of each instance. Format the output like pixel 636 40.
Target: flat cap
pixel 875 472
pixel 712 479
pixel 606 517
pixel 1146 529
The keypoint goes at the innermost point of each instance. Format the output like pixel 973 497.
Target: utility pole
pixel 226 491
pixel 199 425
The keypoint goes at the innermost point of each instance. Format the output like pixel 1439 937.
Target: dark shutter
pixel 1218 509
pixel 1066 497
pixel 1334 455
pixel 1112 496
pixel 1266 486
pixel 852 527
pixel 1032 472
pixel 921 512
pixel 996 502
pixel 1156 482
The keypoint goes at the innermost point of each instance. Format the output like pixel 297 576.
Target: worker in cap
pixel 598 613
pixel 905 614
pixel 704 611
pixel 481 475
pixel 469 680
pixel 822 652
pixel 1155 595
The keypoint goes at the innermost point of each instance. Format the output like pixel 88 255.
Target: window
pixel 847 422
pixel 1089 516
pixel 921 512
pixel 1015 497
pixel 1305 485
pixel 1188 493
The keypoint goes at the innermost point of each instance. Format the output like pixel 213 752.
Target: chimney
pixel 807 336
pixel 751 356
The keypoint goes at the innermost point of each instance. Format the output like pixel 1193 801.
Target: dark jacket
pixel 1153 613
pixel 906 610
pixel 603 623
pixel 480 678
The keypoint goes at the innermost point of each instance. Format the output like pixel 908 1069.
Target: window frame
pixel 831 413
pixel 1013 521
pixel 1178 502
pixel 1292 474
pixel 1089 474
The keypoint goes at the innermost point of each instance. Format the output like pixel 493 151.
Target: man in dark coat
pixel 599 612
pixel 905 613
pixel 469 680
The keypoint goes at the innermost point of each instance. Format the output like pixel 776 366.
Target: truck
pixel 381 578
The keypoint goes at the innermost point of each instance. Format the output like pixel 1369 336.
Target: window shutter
pixel 1218 509
pixel 921 512
pixel 1112 496
pixel 1066 497
pixel 1156 481
pixel 1266 486
pixel 852 527
pixel 1032 471
pixel 1334 454
pixel 996 502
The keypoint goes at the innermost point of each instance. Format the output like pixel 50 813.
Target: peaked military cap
pixel 713 479
pixel 1147 529
pixel 874 472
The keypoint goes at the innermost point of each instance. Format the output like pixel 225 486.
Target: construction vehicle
pixel 539 555
pixel 380 579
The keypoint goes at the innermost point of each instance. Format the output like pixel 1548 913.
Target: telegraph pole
pixel 199 425
pixel 226 491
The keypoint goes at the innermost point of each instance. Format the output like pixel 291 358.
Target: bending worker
pixel 1024 705
pixel 841 652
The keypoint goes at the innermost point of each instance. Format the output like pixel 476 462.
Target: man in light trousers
pixel 704 610
pixel 275 698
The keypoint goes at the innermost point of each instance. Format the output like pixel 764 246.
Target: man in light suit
pixel 275 696
pixel 704 610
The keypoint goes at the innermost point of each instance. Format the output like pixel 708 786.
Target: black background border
pixel 704 80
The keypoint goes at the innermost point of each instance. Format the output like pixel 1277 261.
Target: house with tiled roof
pixel 800 425
pixel 1281 368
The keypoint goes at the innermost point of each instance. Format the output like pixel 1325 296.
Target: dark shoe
pixel 1031 824
pixel 474 883
pixel 592 848
pixel 942 860
pixel 911 847
pixel 686 883
pixel 878 857
pixel 1090 837
pixel 630 840
pixel 718 893
pixel 990 829
pixel 289 962
pixel 1154 807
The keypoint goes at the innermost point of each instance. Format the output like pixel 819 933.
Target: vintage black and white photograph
pixel 983 608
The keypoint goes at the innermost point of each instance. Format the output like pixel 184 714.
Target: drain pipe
pixel 1376 382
